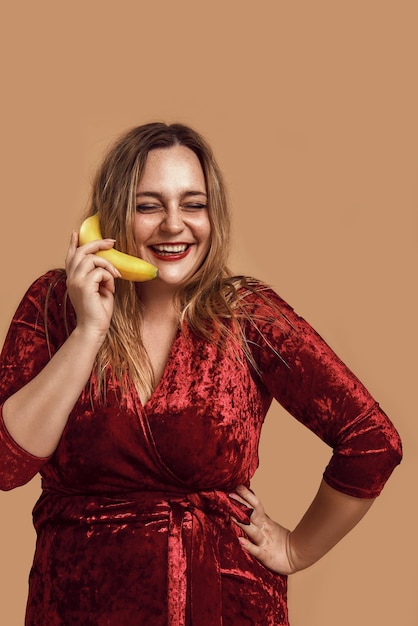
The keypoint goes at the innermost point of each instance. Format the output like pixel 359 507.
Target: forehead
pixel 173 167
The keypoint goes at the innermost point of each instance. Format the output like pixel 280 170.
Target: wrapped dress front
pixel 133 523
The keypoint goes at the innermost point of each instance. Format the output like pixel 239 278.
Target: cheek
pixel 205 231
pixel 143 229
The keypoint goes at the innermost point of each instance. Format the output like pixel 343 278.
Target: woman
pixel 141 405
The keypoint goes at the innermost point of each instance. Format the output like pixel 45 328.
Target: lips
pixel 170 251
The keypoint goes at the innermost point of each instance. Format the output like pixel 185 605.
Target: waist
pixel 141 507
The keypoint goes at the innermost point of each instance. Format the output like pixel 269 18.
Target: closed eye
pixel 193 206
pixel 149 208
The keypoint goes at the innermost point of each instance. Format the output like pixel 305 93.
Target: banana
pixel 131 267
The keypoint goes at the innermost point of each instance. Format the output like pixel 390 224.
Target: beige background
pixel 311 108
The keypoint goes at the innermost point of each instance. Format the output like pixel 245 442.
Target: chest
pixel 202 421
pixel 158 341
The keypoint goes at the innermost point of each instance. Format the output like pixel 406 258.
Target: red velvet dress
pixel 133 524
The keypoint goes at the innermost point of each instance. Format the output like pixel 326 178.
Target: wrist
pixel 88 336
pixel 296 555
pixel 291 556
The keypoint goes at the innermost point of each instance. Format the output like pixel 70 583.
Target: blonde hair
pixel 207 302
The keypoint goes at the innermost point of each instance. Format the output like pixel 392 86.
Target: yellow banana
pixel 131 267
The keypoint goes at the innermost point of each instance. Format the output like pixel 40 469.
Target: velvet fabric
pixel 134 520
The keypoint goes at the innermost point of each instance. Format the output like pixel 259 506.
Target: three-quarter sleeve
pixel 17 466
pixel 301 371
pixel 33 336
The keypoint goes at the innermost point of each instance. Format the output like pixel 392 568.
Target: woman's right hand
pixel 91 284
pixel 37 413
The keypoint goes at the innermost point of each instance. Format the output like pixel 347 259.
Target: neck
pixel 158 302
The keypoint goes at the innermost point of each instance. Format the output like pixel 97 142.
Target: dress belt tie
pixel 194 571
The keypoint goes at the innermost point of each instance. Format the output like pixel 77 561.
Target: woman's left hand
pixel 266 540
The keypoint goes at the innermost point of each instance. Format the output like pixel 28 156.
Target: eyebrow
pixel 156 194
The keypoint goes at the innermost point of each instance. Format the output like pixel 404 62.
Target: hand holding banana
pixel 130 267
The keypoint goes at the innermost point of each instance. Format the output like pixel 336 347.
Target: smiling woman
pixel 141 405
pixel 168 162
pixel 172 227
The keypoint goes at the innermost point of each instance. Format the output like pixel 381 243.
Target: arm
pixel 36 414
pixel 300 370
pixel 329 518
pixel 297 368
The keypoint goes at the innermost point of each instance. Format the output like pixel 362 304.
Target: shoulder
pixel 52 283
pixel 52 279
pixel 270 324
pixel 47 294
pixel 258 301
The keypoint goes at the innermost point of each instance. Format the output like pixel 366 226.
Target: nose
pixel 172 222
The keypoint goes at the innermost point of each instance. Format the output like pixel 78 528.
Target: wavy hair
pixel 207 302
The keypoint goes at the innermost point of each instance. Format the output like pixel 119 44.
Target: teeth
pixel 165 247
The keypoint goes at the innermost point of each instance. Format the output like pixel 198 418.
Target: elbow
pixel 17 466
pixel 388 457
pixel 6 485
pixel 394 449
pixel 11 480
pixel 8 481
pixel 362 465
pixel 391 444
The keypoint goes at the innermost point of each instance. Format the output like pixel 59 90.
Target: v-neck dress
pixel 134 520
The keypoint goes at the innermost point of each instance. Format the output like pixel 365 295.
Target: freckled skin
pixel 169 212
